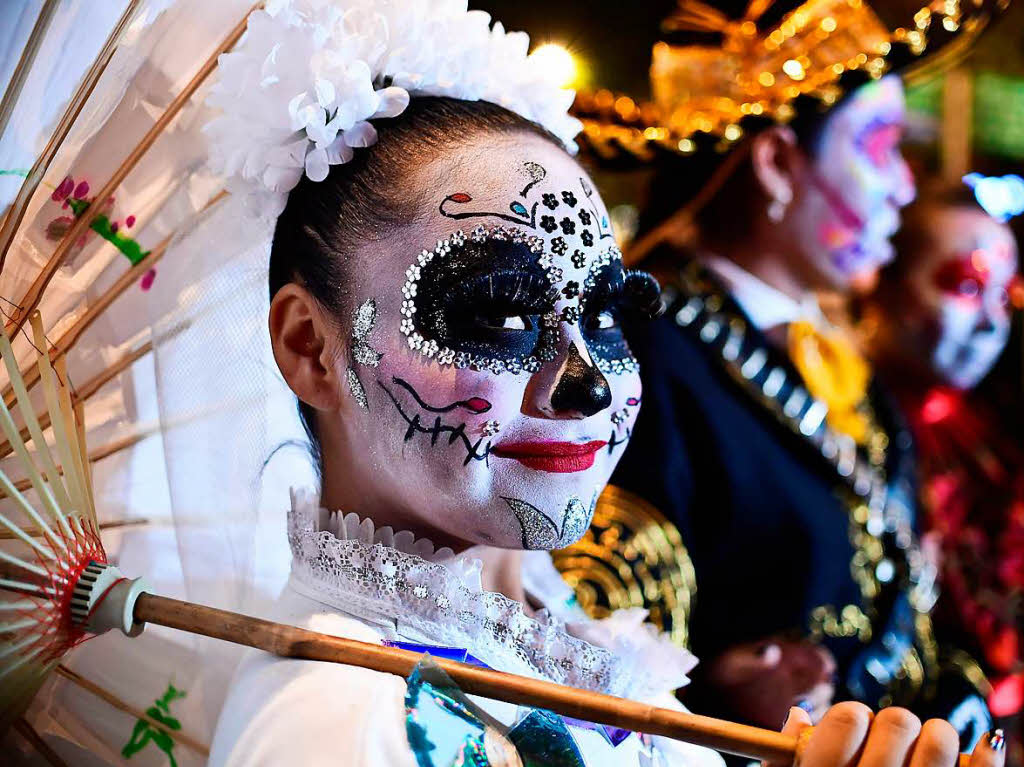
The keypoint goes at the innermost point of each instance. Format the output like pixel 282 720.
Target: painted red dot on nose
pixel 477 405
pixel 460 197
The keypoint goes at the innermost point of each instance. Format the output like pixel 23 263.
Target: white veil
pixel 185 436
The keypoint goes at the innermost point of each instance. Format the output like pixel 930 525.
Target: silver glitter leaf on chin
pixel 356 387
pixel 577 520
pixel 539 532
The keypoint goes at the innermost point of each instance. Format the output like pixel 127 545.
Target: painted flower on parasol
pixel 74 198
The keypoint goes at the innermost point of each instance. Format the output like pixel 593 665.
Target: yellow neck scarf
pixel 835 373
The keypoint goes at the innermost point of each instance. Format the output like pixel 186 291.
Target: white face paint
pixel 501 357
pixel 957 311
pixel 856 184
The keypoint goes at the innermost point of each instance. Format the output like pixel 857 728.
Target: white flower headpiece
pixel 298 91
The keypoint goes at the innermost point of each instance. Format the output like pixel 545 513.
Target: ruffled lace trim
pixel 352 527
pixel 436 598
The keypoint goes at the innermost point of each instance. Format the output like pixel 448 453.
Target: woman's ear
pixel 301 337
pixel 777 162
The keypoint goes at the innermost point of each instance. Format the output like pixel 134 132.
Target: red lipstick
pixel 554 457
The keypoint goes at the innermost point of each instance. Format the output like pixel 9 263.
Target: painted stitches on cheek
pixel 483 301
pixel 619 419
pixel 475 451
pixel 539 532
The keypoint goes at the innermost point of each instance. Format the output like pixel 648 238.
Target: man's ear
pixel 777 161
pixel 301 337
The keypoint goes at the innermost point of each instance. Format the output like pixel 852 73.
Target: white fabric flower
pixel 299 91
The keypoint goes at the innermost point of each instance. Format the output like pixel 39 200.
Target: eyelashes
pixel 634 294
pixel 643 294
pixel 505 290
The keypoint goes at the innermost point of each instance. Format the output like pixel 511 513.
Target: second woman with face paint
pixel 934 326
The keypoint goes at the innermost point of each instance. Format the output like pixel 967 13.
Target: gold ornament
pixel 631 556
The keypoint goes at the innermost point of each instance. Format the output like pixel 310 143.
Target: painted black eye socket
pixel 485 299
pixel 604 334
pixel 508 322
pixel 613 296
pixel 601 322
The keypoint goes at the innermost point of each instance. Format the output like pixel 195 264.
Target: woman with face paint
pixel 447 304
pixel 935 325
pixel 775 135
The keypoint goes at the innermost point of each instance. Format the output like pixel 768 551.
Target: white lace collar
pixel 433 597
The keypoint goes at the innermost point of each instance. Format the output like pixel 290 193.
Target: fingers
pixel 990 751
pixel 838 739
pixel 817 700
pixel 796 722
pixel 891 738
pixel 938 745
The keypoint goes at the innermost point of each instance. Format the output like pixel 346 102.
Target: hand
pixel 761 680
pixel 849 735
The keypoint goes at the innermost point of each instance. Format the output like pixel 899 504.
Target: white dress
pixel 353 581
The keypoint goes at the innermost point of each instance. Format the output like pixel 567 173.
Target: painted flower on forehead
pixel 298 93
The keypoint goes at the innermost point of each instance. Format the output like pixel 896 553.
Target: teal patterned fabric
pixel 446 729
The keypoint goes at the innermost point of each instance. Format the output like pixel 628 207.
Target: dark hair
pixel 365 198
pixel 679 178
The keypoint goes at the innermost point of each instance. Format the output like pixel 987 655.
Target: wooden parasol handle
pixel 291 642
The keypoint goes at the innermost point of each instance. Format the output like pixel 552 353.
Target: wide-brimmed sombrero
pixel 717 76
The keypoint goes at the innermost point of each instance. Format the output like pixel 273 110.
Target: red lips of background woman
pixel 554 457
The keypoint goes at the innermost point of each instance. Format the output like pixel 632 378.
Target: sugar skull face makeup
pixel 957 311
pixel 860 181
pixel 495 389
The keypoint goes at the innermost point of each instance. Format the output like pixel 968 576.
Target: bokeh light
pixel 560 66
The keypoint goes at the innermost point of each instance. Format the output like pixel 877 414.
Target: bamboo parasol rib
pixel 99 598
pixel 28 733
pixel 28 55
pixel 95 456
pixel 89 388
pixel 6 535
pixel 109 697
pixel 92 313
pixel 35 176
pixel 30 300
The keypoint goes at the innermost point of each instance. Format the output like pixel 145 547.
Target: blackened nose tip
pixel 581 388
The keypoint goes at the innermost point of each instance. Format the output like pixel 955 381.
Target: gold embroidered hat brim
pixel 716 78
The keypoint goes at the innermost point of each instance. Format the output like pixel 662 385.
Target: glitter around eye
pixel 420 300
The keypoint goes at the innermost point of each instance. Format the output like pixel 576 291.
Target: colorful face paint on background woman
pixel 957 311
pixel 861 179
